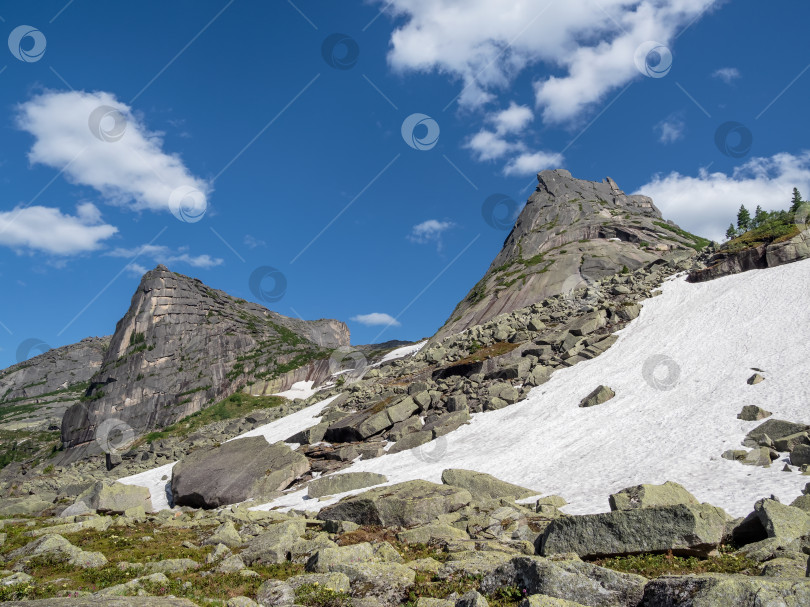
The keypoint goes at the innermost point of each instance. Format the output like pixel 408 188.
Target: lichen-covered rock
pixel 275 593
pixel 684 529
pixel 57 547
pixel 717 590
pixel 225 534
pixel 543 600
pixel 482 485
pixel 781 521
pixel 648 496
pixel 752 413
pixel 111 497
pixel 234 472
pixel 339 483
pixel 434 531
pixel 274 545
pixel 404 504
pixel 572 580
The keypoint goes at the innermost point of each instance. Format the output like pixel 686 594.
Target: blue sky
pixel 246 144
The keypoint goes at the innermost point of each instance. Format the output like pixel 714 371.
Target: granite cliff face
pixel 571 233
pixel 183 346
pixel 35 393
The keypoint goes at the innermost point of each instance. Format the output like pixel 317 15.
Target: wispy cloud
pixel 727 74
pixel 430 231
pixel 670 129
pixel 376 319
pixel 252 242
pixel 532 162
pixel 166 255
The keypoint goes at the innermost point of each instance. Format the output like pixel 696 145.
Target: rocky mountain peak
pixel 182 346
pixel 570 233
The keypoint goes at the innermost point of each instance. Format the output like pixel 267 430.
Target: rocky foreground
pixel 471 541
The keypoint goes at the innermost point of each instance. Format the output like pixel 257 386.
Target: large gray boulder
pixel 339 483
pixel 649 496
pixel 234 472
pixel 111 497
pixel 59 549
pixel 482 485
pixel 572 580
pixel 717 590
pixel 773 429
pixel 781 521
pixel 683 529
pixel 275 544
pixel 405 504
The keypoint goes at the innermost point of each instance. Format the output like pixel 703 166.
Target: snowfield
pixel 401 353
pixel 679 372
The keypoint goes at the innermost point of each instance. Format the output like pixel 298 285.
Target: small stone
pixel 787 469
pixel 755 379
pixel 752 413
pixel 600 395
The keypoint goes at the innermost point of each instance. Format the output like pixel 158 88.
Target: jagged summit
pixel 182 346
pixel 570 233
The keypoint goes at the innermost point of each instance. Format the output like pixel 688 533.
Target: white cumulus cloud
pixel 532 162
pixel 48 230
pixel 486 44
pixel 375 319
pixel 108 149
pixel 705 204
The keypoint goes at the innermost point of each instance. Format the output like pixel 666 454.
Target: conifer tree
pixel 760 217
pixel 743 219
pixel 796 201
pixel 731 232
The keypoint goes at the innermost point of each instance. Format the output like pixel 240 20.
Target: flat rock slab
pixel 685 529
pixel 483 485
pixel 718 590
pixel 234 472
pixel 647 496
pixel 600 395
pixel 339 483
pixel 774 429
pixel 405 505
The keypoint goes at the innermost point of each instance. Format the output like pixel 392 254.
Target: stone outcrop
pixel 183 346
pixel 570 233
pixel 53 381
pixel 684 529
pixel 405 504
pixel 234 472
pixel 765 255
